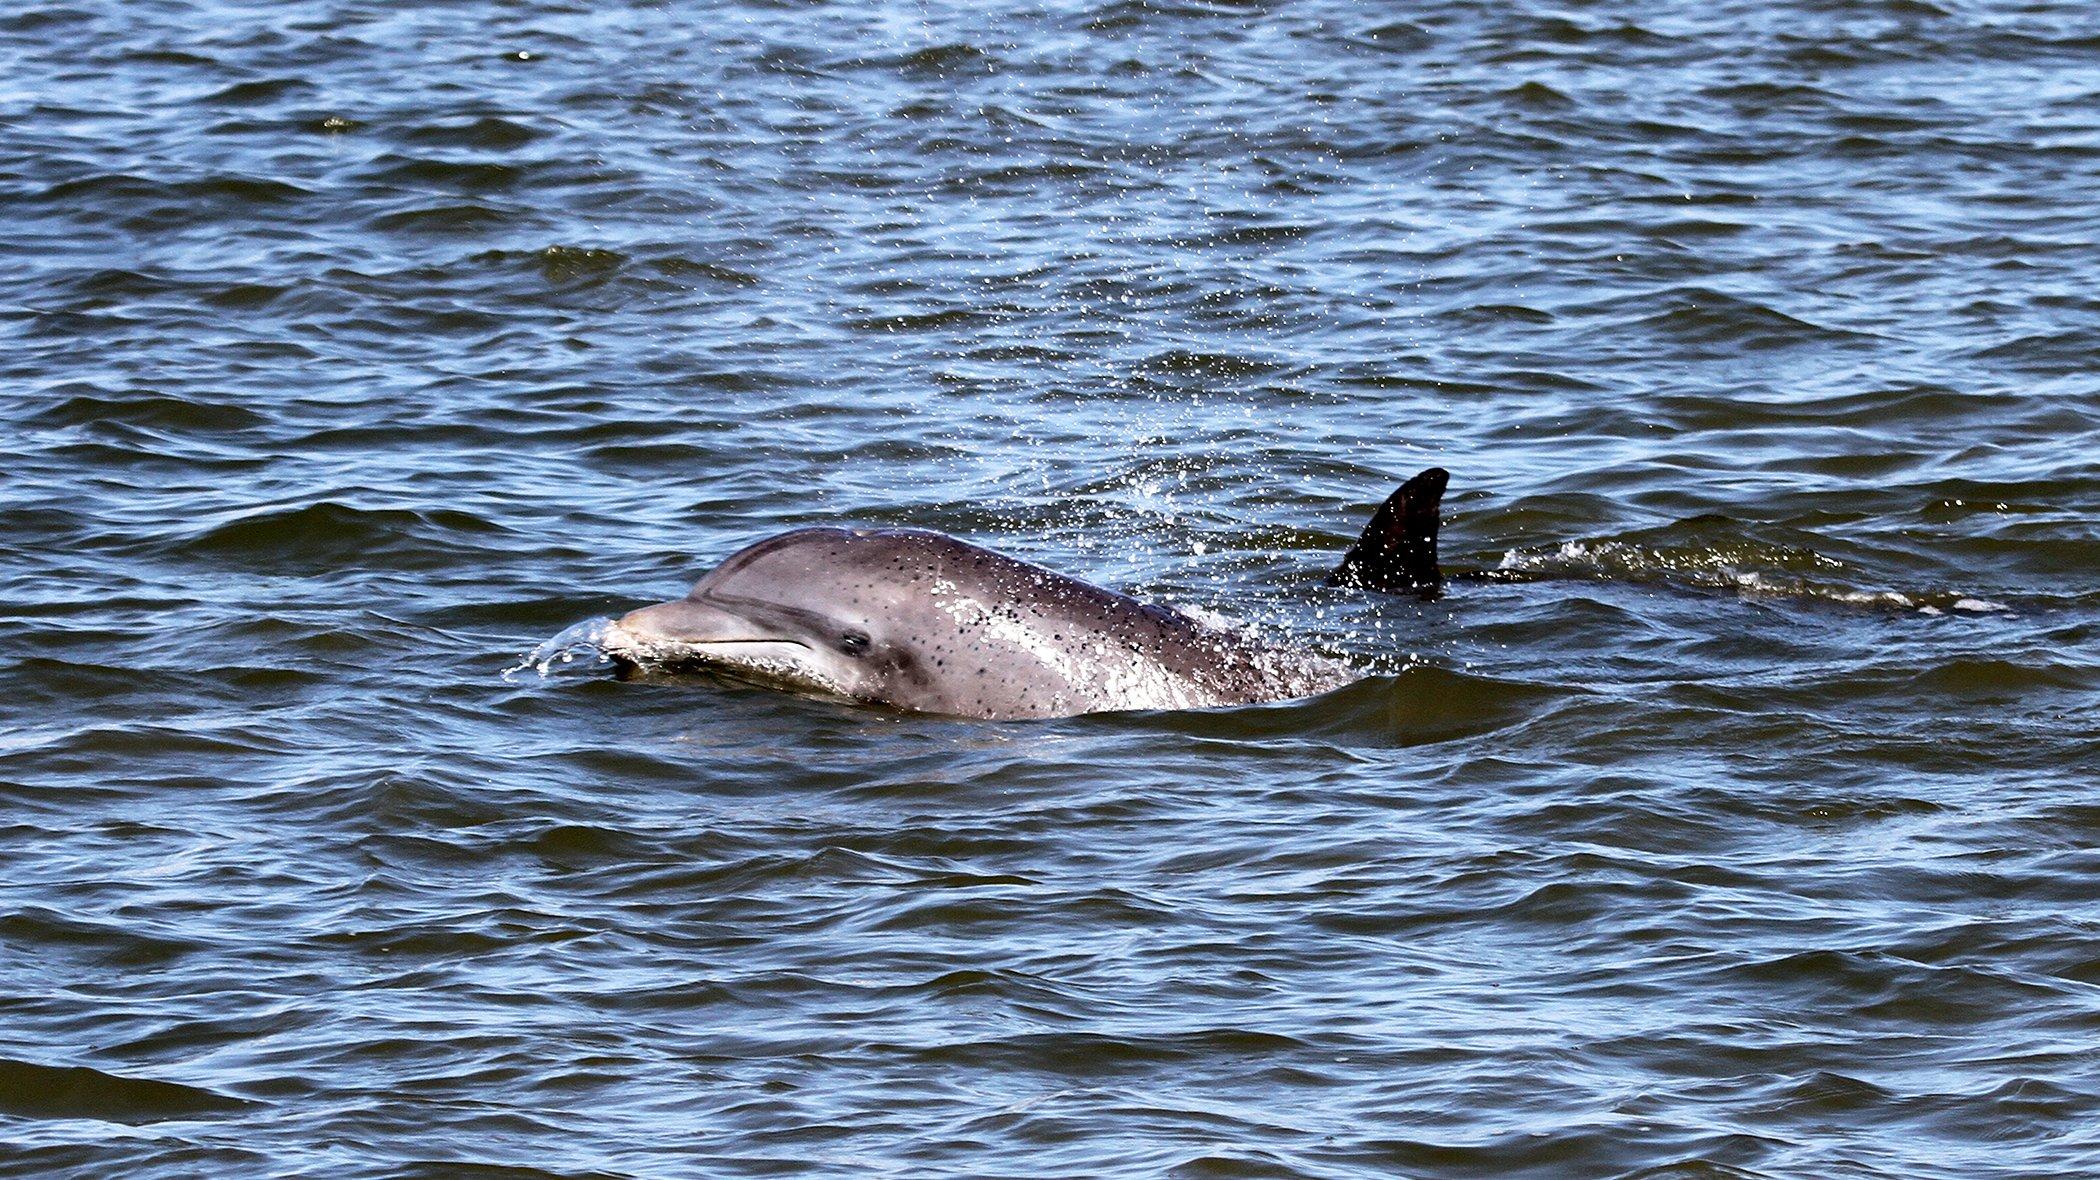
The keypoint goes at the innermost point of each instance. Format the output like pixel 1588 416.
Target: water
pixel 351 351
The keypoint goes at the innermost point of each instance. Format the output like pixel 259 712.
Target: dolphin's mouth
pixel 742 656
pixel 622 643
pixel 770 659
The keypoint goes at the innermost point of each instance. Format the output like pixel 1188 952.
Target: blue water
pixel 349 351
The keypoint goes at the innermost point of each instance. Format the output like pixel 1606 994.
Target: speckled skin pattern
pixel 919 620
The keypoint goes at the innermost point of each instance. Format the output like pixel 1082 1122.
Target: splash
pixel 592 636
pixel 1748 569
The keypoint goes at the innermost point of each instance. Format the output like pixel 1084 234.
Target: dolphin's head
pixel 816 609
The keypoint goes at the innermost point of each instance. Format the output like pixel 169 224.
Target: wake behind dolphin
pixel 919 620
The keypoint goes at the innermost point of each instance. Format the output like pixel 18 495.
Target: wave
pixel 327 532
pixel 1704 317
pixel 186 414
pixel 1749 569
pixel 1415 706
pixel 1713 552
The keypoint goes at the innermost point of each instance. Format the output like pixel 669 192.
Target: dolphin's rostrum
pixel 919 620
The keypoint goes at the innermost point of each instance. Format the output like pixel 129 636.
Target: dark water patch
pixel 937 62
pixel 1105 1056
pixel 328 533
pixel 565 265
pixel 264 90
pixel 1495 314
pixel 447 1167
pixel 1396 37
pixel 45 17
pixel 1973 680
pixel 99 745
pixel 709 271
pixel 119 283
pixel 435 318
pixel 487 131
pixel 169 57
pixel 1225 366
pixel 1687 230
pixel 143 408
pixel 45 931
pixel 577 847
pixel 1537 96
pixel 1709 318
pixel 57 679
pixel 466 176
pixel 1843 811
pixel 357 438
pixel 933 321
pixel 1021 178
pixel 466 218
pixel 142 204
pixel 181 1039
pixel 1762 96
pixel 2057 352
pixel 253 190
pixel 1864 409
pixel 1416 706
pixel 1249 235
pixel 632 456
pixel 245 296
pixel 34 1091
pixel 103 185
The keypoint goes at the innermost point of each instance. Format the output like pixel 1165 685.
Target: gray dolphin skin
pixel 921 621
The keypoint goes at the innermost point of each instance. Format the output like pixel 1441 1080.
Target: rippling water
pixel 352 350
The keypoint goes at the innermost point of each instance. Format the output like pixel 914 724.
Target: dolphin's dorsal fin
pixel 1397 553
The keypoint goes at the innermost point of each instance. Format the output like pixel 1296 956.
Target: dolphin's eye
pixel 854 643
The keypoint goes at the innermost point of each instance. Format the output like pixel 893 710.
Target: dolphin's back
pixel 921 620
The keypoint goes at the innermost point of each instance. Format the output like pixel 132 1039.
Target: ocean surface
pixel 350 350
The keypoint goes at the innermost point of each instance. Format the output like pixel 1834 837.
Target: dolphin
pixel 920 621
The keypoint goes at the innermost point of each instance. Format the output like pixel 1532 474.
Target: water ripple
pixel 1729 817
